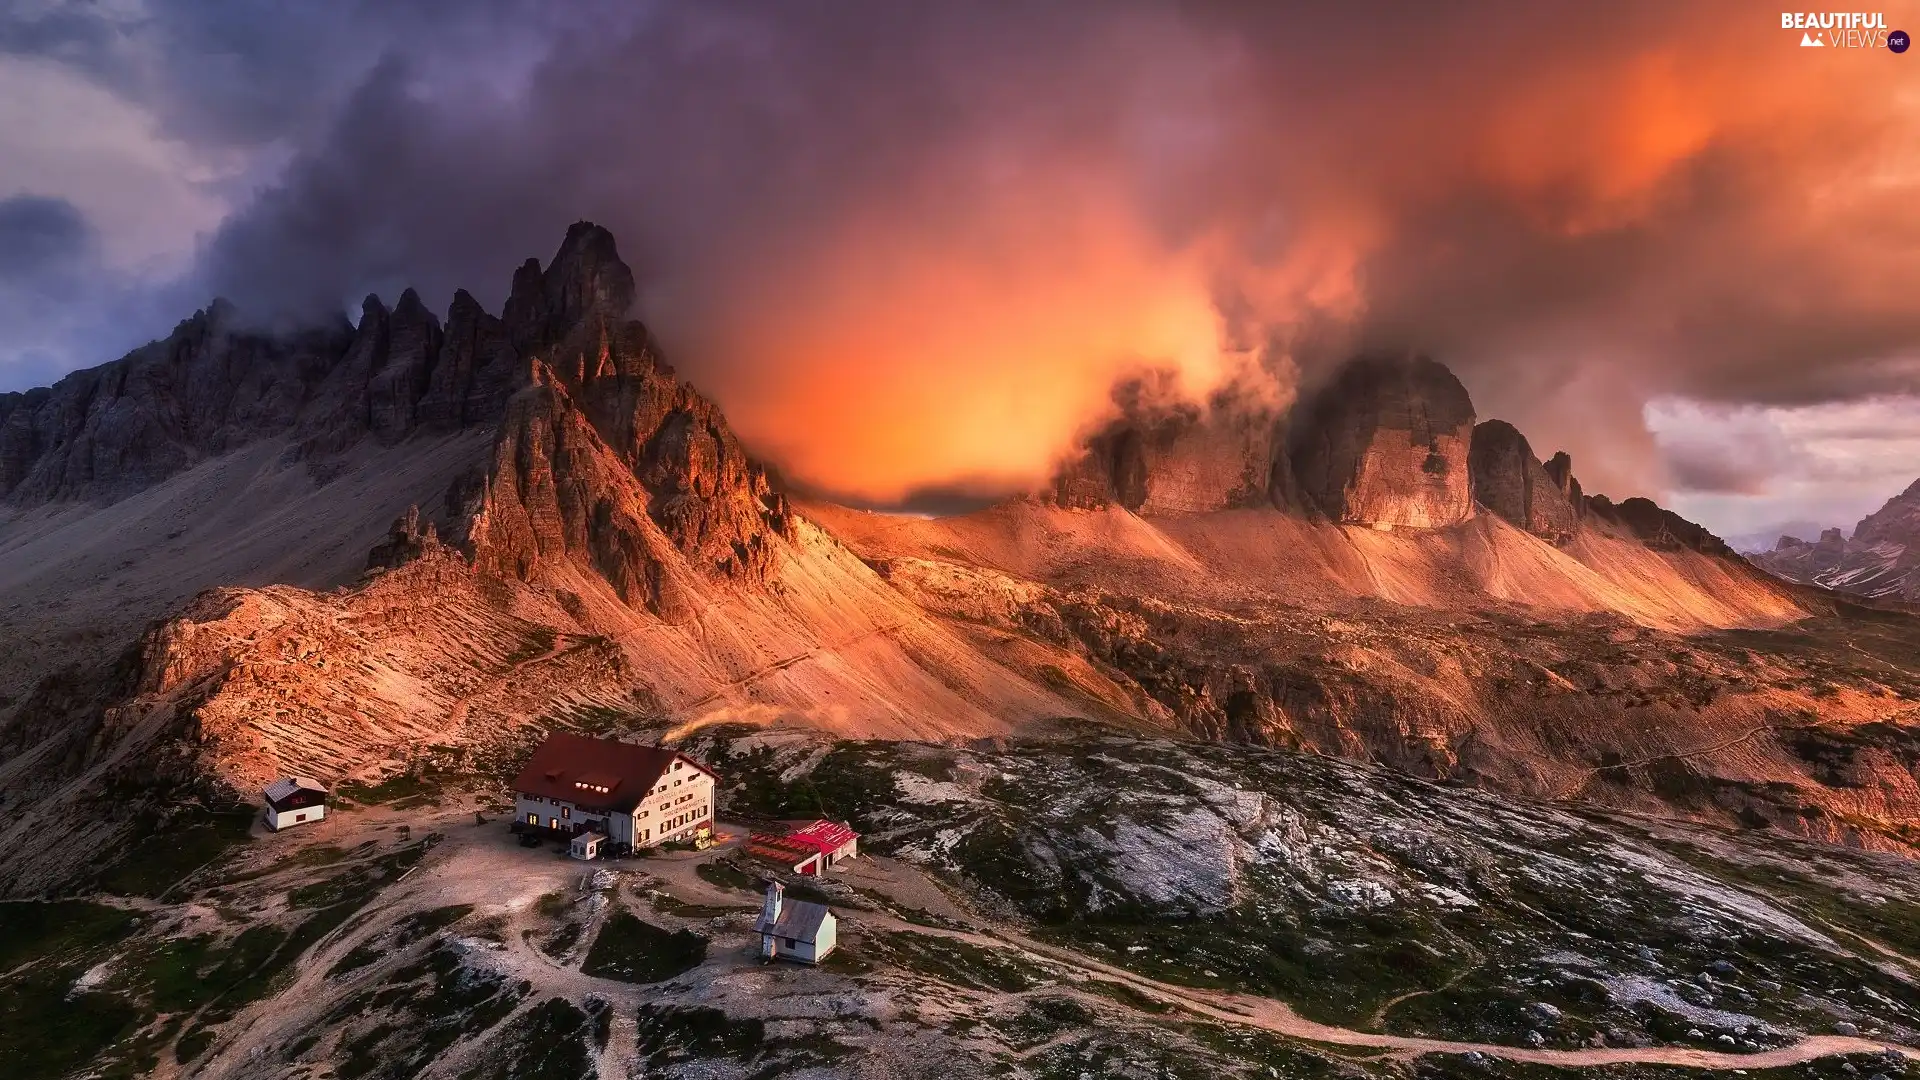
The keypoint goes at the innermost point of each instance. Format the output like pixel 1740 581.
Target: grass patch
pixel 32 931
pixel 164 850
pixel 549 1043
pixel 668 905
pixel 960 963
pixel 405 787
pixel 405 933
pixel 193 1044
pixel 423 1009
pixel 44 1033
pixel 633 951
pixel 669 1034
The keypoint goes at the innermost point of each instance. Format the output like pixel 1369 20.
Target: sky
pixel 914 248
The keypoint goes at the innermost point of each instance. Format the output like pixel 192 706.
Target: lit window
pixel 566 812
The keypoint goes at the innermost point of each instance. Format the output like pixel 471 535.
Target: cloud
pixel 41 239
pixel 1751 469
pixel 913 247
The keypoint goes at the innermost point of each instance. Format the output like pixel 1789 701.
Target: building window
pixel 553 823
pixel 533 818
pixel 566 812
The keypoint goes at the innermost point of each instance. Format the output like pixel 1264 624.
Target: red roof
pixel 823 836
pixel 601 774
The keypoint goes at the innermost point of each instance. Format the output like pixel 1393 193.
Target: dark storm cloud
pixel 42 239
pixel 913 235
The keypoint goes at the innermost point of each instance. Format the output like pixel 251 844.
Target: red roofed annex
pixel 635 796
pixel 806 847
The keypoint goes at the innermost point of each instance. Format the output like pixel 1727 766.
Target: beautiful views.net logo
pixel 1844 30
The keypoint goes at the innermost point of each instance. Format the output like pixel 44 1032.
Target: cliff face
pixel 216 384
pixel 1385 443
pixel 1896 522
pixel 606 455
pixel 209 387
pixel 1511 482
pixel 1184 461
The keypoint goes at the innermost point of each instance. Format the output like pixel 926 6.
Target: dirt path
pixel 1280 1018
pixel 768 669
pixel 1677 755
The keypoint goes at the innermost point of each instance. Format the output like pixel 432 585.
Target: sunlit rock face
pixel 1385 443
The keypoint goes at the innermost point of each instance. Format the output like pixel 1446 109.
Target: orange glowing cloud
pixel 910 246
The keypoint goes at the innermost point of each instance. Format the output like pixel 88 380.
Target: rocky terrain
pixel 393 554
pixel 1880 560
pixel 1083 904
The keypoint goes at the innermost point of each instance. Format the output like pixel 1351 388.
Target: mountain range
pixel 1881 559
pixel 1359 704
pixel 235 554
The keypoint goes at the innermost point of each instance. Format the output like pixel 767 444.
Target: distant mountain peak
pixel 1882 559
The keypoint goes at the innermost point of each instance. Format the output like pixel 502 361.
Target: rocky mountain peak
pixel 1510 481
pixel 1181 458
pixel 1560 470
pixel 1655 526
pixel 1896 522
pixel 1385 442
pixel 1881 560
pixel 585 281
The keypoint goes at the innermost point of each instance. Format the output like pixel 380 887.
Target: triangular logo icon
pixel 1808 41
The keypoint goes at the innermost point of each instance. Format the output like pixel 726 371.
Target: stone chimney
pixel 776 894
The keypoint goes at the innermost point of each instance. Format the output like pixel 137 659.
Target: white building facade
pixel 295 800
pixel 637 796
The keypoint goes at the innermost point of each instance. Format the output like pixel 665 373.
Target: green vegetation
pixel 1043 1018
pixel 193 1044
pixel 633 951
pixel 1893 923
pixel 46 1033
pixel 31 931
pixel 669 1035
pixel 419 1010
pixel 851 783
pixel 549 1043
pixel 406 932
pixel 44 948
pixel 960 963
pixel 164 849
pixel 402 790
pixel 669 905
